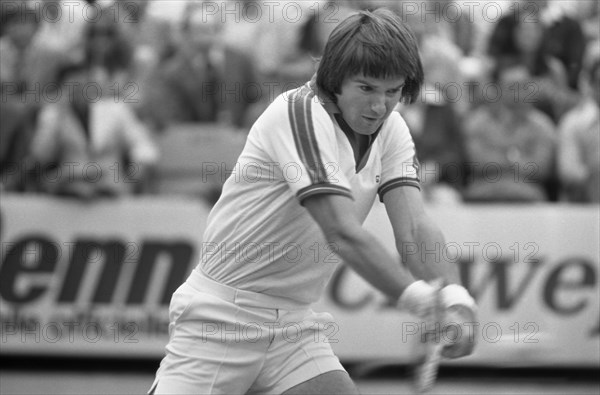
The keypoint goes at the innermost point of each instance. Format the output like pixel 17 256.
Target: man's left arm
pixel 416 235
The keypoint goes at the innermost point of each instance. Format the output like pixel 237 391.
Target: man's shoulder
pixel 300 103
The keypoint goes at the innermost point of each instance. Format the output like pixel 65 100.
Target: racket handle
pixel 426 372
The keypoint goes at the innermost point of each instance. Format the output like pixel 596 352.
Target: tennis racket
pixel 426 370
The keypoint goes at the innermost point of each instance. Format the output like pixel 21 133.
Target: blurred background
pixel 120 121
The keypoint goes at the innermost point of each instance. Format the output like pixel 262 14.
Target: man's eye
pixel 394 91
pixel 365 88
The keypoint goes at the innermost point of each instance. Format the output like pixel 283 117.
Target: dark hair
pixel 376 44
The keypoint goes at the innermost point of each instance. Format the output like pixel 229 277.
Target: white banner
pixel 96 279
pixel 532 269
pixel 93 279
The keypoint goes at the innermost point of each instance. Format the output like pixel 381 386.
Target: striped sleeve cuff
pixel 322 188
pixel 397 182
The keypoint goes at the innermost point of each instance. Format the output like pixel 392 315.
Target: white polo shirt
pixel 259 237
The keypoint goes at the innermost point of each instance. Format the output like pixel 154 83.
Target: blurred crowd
pixel 509 111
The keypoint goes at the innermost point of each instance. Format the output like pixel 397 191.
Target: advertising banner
pixel 532 269
pixel 96 279
pixel 93 279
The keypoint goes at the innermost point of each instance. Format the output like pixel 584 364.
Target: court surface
pixel 24 382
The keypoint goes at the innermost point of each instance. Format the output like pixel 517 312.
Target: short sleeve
pixel 399 163
pixel 298 134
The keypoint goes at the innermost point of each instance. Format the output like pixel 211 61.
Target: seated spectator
pixel 17 61
pixel 447 71
pixel 510 146
pixel 108 55
pixel 150 40
pixel 203 81
pixel 20 96
pixel 551 45
pixel 60 38
pixel 435 127
pixel 579 145
pixel 563 38
pixel 284 49
pixel 88 146
pixel 433 119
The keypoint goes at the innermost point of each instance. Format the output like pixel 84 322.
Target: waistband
pixel 202 283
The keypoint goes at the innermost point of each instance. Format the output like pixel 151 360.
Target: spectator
pixel 108 54
pixel 204 81
pixel 563 38
pixel 60 38
pixel 443 60
pixel 550 44
pixel 579 148
pixel 90 146
pixel 510 145
pixel 435 128
pixel 20 96
pixel 284 49
pixel 241 33
pixel 17 60
pixel 282 52
pixel 150 40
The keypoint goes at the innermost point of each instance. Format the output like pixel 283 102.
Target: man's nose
pixel 378 104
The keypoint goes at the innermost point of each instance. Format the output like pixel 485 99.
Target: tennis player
pixel 292 211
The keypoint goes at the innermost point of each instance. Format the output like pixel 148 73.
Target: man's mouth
pixel 370 119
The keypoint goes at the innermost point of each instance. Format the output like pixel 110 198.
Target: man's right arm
pixel 357 247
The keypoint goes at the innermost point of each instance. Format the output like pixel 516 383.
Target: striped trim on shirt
pixel 301 121
pixel 397 182
pixel 323 188
pixel 300 114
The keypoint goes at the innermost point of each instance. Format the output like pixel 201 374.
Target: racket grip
pixel 426 372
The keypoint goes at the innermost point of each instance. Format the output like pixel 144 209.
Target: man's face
pixel 366 102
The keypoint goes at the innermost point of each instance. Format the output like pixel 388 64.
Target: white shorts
pixel 227 341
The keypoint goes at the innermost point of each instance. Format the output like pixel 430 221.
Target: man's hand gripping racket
pixel 438 305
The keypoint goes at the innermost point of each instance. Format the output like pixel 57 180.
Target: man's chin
pixel 371 130
pixel 368 130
